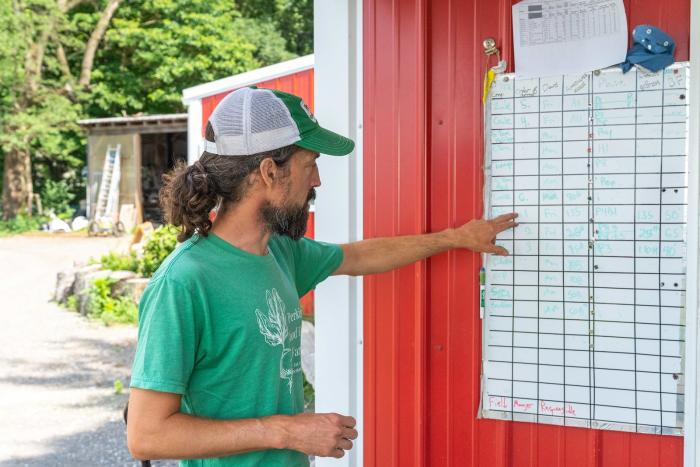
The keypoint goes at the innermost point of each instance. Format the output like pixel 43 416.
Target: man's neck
pixel 243 228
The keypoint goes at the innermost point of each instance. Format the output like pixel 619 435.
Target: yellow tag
pixel 488 81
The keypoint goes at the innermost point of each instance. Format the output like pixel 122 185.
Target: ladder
pixel 108 196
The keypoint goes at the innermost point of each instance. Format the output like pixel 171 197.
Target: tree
pixel 156 48
pixel 37 109
pixel 293 18
pixel 62 60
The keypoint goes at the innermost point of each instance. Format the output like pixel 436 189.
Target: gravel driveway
pixel 57 370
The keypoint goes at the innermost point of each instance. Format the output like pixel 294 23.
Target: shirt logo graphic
pixel 273 326
pixel 308 112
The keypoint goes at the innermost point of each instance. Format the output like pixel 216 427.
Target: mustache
pixel 311 196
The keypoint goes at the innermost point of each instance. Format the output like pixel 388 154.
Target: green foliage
pixel 21 224
pixel 72 302
pixel 156 48
pixel 56 196
pixel 114 261
pixel 158 246
pixel 118 386
pixel 151 50
pixel 293 18
pixel 108 309
pixel 309 395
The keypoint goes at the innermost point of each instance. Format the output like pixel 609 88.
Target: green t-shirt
pixel 222 327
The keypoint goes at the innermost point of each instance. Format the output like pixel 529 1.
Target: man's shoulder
pixel 181 265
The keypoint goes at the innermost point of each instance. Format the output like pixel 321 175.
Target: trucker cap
pixel 252 120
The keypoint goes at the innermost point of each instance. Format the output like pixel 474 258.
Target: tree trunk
pixel 94 41
pixel 17 189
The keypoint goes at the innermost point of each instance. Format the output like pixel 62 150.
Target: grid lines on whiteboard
pixel 584 321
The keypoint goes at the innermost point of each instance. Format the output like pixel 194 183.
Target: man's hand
pixel 480 234
pixel 376 255
pixel 325 435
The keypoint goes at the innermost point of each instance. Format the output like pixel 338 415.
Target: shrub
pixel 114 261
pixel 108 309
pixel 72 302
pixel 56 197
pixel 158 246
pixel 20 224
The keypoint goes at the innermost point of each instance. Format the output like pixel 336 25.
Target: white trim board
pixel 194 130
pixel 248 78
pixel 338 308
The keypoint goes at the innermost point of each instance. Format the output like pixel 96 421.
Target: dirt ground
pixel 58 406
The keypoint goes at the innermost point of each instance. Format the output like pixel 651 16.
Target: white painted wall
pixel 692 346
pixel 338 107
pixel 194 130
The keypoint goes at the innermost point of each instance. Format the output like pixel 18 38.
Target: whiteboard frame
pixel 692 325
pixel 691 356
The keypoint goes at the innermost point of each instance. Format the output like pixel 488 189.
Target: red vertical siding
pixel 424 66
pixel 395 181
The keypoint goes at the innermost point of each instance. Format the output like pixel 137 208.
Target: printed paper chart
pixel 584 322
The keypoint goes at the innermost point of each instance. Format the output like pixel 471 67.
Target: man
pixel 217 373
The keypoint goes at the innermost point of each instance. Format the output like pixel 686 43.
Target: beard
pixel 287 220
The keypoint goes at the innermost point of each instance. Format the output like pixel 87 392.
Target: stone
pixel 64 285
pixel 84 282
pixel 132 287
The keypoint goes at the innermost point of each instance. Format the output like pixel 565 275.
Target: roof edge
pixel 180 117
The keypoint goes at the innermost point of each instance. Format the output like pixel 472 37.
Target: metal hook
pixel 491 49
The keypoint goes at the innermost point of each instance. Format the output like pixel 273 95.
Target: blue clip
pixel 653 49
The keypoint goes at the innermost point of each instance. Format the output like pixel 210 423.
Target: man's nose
pixel 315 179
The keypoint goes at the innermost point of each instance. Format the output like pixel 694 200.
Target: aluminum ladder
pixel 108 196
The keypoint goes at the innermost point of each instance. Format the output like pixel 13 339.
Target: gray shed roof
pixel 145 122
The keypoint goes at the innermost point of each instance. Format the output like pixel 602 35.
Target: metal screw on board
pixel 682 96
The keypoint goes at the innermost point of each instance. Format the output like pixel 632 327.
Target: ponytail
pixel 187 197
pixel 189 193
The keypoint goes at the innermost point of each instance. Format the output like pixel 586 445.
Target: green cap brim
pixel 326 142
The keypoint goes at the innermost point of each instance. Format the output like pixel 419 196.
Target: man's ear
pixel 269 172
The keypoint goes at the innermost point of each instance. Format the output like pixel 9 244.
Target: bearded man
pixel 216 379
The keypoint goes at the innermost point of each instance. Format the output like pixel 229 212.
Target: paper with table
pixel 555 37
pixel 585 321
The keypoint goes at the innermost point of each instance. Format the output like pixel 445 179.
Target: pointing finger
pixel 506 226
pixel 498 250
pixel 505 217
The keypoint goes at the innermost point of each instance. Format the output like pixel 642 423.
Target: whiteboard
pixel 584 323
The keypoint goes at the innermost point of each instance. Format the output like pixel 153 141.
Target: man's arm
pixel 156 429
pixel 378 255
